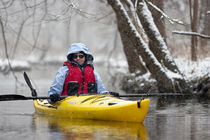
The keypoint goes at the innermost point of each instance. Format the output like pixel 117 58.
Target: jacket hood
pixel 77 48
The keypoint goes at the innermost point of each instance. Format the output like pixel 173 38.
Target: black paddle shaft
pixel 153 95
pixel 13 97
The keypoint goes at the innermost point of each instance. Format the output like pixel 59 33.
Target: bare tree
pixel 199 17
pixel 6 53
pixel 156 42
pixel 134 62
pixel 194 22
pixel 205 23
pixel 166 83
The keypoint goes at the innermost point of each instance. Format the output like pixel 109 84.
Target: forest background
pixel 40 32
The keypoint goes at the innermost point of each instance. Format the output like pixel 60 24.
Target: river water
pixel 168 118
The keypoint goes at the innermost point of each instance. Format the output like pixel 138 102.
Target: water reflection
pixel 186 119
pixel 76 129
pixel 167 119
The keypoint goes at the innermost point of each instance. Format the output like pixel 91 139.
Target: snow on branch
pixel 191 34
pixel 172 21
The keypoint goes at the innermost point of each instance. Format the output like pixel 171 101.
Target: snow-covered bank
pixel 194 70
pixel 16 65
pixel 197 73
pixel 116 72
pixel 191 70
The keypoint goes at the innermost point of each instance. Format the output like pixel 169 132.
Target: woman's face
pixel 79 58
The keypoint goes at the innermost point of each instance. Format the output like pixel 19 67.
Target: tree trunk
pixel 134 63
pixel 194 23
pixel 166 82
pixel 205 23
pixel 159 22
pixel 156 42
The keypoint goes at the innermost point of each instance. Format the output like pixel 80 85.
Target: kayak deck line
pixel 96 97
pixel 97 107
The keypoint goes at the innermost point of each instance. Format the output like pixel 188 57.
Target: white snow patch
pixel 173 75
pixel 194 70
pixel 15 64
pixel 191 70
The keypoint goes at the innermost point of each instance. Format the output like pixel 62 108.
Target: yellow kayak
pixel 98 107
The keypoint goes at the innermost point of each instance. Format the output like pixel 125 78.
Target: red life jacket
pixel 79 80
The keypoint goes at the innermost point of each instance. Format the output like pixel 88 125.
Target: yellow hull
pixel 99 107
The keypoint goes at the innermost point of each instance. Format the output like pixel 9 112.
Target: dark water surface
pixel 167 119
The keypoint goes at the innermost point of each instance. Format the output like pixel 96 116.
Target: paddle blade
pixel 33 91
pixel 12 97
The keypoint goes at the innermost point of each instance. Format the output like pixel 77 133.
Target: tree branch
pixel 5 42
pixel 191 34
pixel 172 21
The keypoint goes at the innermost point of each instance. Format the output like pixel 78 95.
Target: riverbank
pixel 197 75
pixel 116 77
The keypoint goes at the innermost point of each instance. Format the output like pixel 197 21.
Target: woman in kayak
pixel 77 76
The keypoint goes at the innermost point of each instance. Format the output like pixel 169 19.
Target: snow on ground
pixel 16 65
pixel 193 70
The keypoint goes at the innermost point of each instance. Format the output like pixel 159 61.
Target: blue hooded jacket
pixel 57 85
